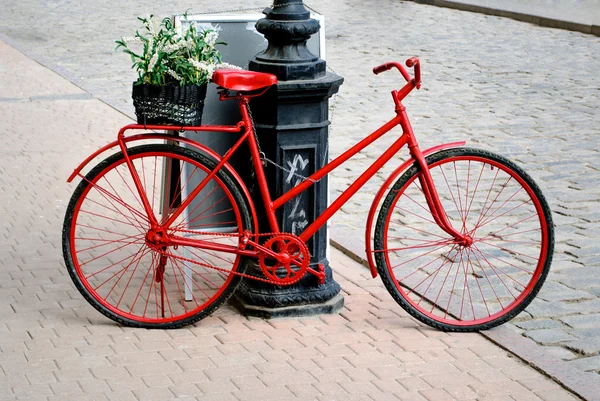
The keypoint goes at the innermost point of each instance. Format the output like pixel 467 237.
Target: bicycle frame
pixel 159 235
pixel 271 206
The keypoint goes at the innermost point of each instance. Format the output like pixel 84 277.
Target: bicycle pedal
pixel 321 273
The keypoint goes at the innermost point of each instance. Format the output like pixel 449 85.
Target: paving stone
pixel 555 396
pixel 588 346
pixel 587 364
pixel 538 324
pixel 589 306
pixel 549 336
pixel 553 291
pixel 543 309
pixel 270 393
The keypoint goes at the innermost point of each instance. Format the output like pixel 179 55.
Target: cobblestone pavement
pixel 527 92
pixel 55 347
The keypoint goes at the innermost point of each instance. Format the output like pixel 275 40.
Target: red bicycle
pixel 159 235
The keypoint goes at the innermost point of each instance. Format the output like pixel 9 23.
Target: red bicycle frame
pixel 407 138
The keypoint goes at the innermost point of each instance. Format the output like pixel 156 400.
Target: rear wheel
pixel 460 287
pixel 116 259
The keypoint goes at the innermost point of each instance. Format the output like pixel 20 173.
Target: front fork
pixel 427 184
pixel 433 198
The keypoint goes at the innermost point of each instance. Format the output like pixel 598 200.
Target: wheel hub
pixel 156 238
pixel 466 241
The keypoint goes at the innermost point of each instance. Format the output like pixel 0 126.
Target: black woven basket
pixel 169 104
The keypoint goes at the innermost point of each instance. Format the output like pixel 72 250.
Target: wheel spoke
pixel 188 214
pixel 120 200
pixel 109 242
pixel 134 194
pixel 184 274
pixel 134 223
pixel 428 245
pixel 116 199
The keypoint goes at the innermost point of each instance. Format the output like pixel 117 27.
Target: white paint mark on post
pixel 297 215
pixel 294 167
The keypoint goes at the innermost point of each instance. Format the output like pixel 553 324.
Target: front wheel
pixel 465 287
pixel 117 259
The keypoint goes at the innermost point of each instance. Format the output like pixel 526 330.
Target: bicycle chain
pixel 223 234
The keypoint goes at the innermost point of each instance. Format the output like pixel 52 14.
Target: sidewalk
pixel 56 347
pixel 574 15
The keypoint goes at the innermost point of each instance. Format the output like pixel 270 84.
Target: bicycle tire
pixel 102 224
pixel 500 273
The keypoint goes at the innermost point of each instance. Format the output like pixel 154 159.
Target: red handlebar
pixel 381 68
pixel 413 61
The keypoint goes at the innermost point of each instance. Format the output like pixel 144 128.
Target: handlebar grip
pixel 412 61
pixel 381 68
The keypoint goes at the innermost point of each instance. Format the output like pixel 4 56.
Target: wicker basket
pixel 169 104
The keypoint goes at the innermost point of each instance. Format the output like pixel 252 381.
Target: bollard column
pixel 292 127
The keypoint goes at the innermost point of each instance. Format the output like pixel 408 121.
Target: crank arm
pixel 261 248
pixel 320 272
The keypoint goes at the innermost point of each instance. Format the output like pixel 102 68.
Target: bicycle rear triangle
pixel 160 235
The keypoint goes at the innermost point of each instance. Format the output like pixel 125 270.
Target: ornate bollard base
pixel 332 306
pixel 307 297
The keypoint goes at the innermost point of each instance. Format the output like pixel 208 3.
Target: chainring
pixel 290 262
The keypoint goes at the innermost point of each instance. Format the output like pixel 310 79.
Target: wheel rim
pixel 467 285
pixel 122 271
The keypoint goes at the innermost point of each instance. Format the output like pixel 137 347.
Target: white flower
pixel 202 66
pixel 227 65
pixel 174 75
pixel 152 62
pixel 190 44
pixel 171 48
pixel 211 38
pixel 152 25
pixel 128 39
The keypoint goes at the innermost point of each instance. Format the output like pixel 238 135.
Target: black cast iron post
pixel 292 125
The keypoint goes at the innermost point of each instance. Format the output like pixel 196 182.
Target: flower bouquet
pixel 173 69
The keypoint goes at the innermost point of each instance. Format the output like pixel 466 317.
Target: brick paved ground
pixel 54 346
pixel 527 92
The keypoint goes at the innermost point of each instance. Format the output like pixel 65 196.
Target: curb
pixel 584 384
pixel 523 17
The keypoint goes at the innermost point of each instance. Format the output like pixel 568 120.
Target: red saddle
pixel 242 80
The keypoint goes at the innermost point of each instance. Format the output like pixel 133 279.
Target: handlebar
pixel 411 62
